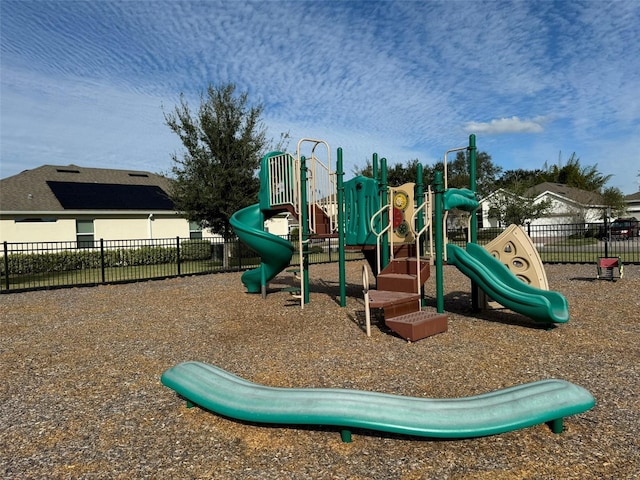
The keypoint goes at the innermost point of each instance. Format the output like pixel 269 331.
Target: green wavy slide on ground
pixel 505 288
pixel 275 252
pixel 216 390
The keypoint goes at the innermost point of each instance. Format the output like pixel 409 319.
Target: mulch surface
pixel 82 398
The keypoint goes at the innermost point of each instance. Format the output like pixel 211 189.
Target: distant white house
pixel 568 205
pixel 633 205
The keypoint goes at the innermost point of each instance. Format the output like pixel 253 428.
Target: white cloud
pixel 506 125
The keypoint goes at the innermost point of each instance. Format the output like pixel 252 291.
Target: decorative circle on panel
pixel 403 229
pixel 401 200
pixel 398 218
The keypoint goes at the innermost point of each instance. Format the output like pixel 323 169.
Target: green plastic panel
pixel 275 252
pixel 219 391
pixel 505 288
pixel 461 198
pixel 361 202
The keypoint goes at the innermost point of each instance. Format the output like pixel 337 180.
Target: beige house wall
pixel 107 228
pixel 140 228
pixel 61 230
pixel 278 225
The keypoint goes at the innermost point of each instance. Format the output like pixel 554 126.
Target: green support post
pixel 374 167
pixel 473 184
pixel 341 232
pixel 473 227
pixel 304 228
pixel 384 193
pixel 438 186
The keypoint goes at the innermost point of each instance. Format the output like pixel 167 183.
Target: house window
pixel 195 231
pixel 35 220
pixel 84 233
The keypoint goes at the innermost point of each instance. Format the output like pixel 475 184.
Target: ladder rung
pixel 291 290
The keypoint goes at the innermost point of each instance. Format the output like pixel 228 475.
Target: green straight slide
pixel 504 287
pixel 216 390
pixel 275 252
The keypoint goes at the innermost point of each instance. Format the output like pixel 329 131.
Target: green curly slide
pixel 275 252
pixel 216 390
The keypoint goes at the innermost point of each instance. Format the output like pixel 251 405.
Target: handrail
pixel 367 310
pixel 445 162
pixel 426 206
pixel 314 189
pixel 321 188
pixel 445 238
pixel 382 232
pixel 446 185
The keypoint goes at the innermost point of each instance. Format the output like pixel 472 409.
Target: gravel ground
pixel 82 398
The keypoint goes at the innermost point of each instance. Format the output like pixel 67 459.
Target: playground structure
pixel 402 233
pixel 390 227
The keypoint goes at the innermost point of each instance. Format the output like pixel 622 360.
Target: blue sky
pixel 85 82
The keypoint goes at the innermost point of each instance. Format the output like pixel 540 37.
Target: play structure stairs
pixel 397 295
pixel 401 275
pixel 322 224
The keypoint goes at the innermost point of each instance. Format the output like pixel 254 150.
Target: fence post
pixel 178 253
pixel 6 264
pixel 102 260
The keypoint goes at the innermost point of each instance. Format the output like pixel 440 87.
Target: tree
pixel 575 175
pixel 458 172
pixel 512 205
pixel 224 141
pixel 614 200
pixel 520 178
pixel 486 172
pixel 398 174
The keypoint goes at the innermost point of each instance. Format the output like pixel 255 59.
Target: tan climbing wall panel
pixel 514 248
pixel 403 206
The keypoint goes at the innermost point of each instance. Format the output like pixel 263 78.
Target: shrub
pixel 196 250
pixel 84 259
pixel 488 234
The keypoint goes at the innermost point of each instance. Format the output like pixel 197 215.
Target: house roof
pixel 583 197
pixel 634 197
pixel 52 188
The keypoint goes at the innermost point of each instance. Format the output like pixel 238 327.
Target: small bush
pixel 196 250
pixel 488 234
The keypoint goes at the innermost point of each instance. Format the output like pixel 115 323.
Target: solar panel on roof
pixel 107 196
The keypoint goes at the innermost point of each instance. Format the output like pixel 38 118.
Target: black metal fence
pixel 43 265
